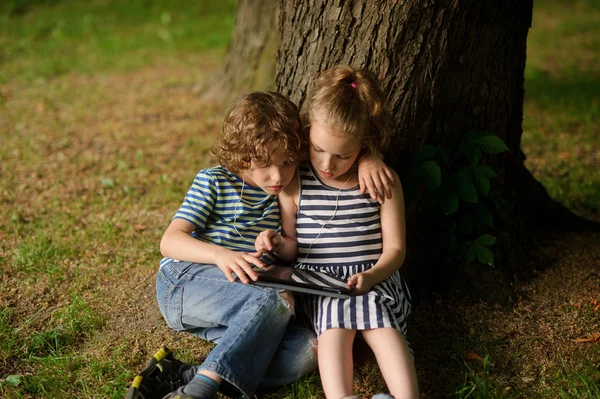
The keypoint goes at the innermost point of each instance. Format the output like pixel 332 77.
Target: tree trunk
pixel 446 66
pixel 250 62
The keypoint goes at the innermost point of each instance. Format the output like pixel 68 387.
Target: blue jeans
pixel 257 346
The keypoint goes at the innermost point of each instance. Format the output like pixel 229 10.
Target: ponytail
pixel 349 101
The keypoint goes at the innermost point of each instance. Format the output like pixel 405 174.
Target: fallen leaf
pixel 577 305
pixel 593 338
pixel 564 155
pixel 139 227
pixel 473 356
pixel 597 307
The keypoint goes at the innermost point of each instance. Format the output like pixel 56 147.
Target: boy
pixel 210 243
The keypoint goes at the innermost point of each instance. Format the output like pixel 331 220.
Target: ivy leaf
pixel 484 215
pixel 426 152
pixel 490 144
pixel 448 201
pixel 481 177
pixel 471 152
pixel 430 173
pixel 483 184
pixel 486 171
pixel 486 240
pixel 470 253
pixel 466 189
pixel 484 255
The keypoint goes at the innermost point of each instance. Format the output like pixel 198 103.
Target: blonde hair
pixel 252 124
pixel 349 101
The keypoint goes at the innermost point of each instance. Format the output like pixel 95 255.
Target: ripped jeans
pixel 257 345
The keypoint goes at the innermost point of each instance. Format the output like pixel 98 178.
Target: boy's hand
pixel 268 241
pixel 361 283
pixel 376 176
pixel 240 263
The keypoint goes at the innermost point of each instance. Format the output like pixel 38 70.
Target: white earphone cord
pixel 337 201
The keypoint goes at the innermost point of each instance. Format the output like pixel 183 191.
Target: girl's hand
pixel 268 241
pixel 376 176
pixel 240 263
pixel 361 283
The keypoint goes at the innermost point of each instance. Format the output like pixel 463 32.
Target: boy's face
pixel 332 153
pixel 274 177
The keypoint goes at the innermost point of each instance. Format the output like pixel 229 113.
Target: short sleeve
pixel 199 201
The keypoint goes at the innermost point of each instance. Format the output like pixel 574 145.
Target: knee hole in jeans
pixel 288 300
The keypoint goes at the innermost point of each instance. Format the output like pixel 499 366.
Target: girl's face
pixel 332 153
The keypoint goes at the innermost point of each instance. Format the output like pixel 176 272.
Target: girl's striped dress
pixel 339 232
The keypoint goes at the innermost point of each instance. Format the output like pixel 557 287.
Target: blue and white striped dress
pixel 344 242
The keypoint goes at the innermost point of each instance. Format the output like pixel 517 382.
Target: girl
pixel 340 231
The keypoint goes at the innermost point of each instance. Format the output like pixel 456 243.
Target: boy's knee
pixel 288 299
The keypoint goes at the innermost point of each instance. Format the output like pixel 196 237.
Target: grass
pixel 101 136
pixel 562 110
pixel 45 39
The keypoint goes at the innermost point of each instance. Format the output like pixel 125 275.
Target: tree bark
pixel 445 66
pixel 250 61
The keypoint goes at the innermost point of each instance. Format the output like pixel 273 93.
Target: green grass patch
pixel 582 381
pixel 51 351
pixel 9 344
pixel 66 328
pixel 561 115
pixel 472 356
pixel 42 254
pixel 44 39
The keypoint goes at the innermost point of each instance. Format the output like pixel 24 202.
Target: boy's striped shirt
pixel 212 203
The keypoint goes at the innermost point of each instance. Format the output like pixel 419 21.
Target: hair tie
pixel 353 85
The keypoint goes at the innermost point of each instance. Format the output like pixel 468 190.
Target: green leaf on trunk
pixel 486 240
pixel 490 144
pixel 484 255
pixel 430 173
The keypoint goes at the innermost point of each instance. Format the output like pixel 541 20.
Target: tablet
pixel 307 281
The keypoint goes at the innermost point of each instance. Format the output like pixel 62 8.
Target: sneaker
pixel 177 395
pixel 161 376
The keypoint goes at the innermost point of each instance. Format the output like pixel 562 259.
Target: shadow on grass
pixel 576 93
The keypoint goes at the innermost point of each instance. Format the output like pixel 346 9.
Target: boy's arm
pixel 393 233
pixel 177 243
pixel 374 175
pixel 283 245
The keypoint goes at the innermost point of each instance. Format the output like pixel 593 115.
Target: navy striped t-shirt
pixel 213 202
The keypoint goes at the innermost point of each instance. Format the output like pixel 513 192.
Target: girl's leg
pixel 394 360
pixel 335 362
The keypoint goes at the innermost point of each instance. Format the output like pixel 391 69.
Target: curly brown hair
pixel 252 124
pixel 350 101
